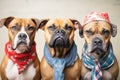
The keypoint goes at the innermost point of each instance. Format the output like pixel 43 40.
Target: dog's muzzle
pixel 21 40
pixel 22 36
pixel 97 42
pixel 97 45
pixel 59 39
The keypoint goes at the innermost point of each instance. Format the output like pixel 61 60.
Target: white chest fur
pixel 12 72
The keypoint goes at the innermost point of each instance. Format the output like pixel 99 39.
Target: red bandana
pixel 22 60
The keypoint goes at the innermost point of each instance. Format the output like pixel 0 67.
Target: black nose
pixel 97 42
pixel 22 36
pixel 60 31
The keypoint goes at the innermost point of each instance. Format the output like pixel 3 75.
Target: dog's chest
pixel 12 72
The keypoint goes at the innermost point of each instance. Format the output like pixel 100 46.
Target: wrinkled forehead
pixel 59 22
pixel 97 25
pixel 21 22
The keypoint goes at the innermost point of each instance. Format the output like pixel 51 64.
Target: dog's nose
pixel 97 41
pixel 60 31
pixel 22 36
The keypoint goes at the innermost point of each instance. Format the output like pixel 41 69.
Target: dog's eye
pixel 68 27
pixel 15 28
pixel 105 32
pixel 89 32
pixel 52 28
pixel 31 28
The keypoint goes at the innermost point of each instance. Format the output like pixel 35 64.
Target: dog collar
pixel 59 64
pixel 97 65
pixel 21 60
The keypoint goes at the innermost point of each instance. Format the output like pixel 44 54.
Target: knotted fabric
pixel 97 65
pixel 59 64
pixel 22 60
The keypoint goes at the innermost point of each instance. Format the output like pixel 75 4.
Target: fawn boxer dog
pixel 98 60
pixel 60 60
pixel 21 61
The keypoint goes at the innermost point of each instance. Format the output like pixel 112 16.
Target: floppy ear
pixel 36 21
pixel 81 32
pixel 43 23
pixel 78 26
pixel 76 23
pixel 114 30
pixel 6 21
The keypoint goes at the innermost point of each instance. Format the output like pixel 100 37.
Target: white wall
pixel 59 9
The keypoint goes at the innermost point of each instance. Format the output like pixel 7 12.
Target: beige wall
pixel 60 9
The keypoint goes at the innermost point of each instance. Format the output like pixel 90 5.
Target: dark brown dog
pixel 59 36
pixel 21 33
pixel 97 36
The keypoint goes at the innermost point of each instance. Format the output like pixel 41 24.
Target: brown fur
pixel 19 22
pixel 4 64
pixel 97 28
pixel 72 72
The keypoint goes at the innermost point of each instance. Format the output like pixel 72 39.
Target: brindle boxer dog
pixel 21 61
pixel 60 50
pixel 97 34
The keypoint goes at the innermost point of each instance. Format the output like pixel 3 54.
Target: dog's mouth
pixel 97 52
pixel 59 42
pixel 97 49
pixel 21 46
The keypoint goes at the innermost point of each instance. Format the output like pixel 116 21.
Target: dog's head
pixel 59 34
pixel 21 32
pixel 97 35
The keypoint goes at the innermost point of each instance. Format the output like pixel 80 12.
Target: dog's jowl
pixel 20 61
pixel 98 59
pixel 60 60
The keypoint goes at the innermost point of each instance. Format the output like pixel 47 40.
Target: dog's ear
pixel 6 21
pixel 114 30
pixel 81 32
pixel 79 26
pixel 43 23
pixel 76 23
pixel 36 21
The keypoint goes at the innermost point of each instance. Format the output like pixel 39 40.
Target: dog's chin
pixel 22 47
pixel 97 52
pixel 59 43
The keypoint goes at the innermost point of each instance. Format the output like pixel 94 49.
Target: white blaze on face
pixel 17 39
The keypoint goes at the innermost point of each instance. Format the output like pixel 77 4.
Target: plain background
pixel 76 9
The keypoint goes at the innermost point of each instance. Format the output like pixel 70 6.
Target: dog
pixel 60 60
pixel 21 61
pixel 98 60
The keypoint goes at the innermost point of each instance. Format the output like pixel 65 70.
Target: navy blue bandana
pixel 97 65
pixel 59 64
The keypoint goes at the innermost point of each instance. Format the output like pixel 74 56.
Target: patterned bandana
pixel 93 16
pixel 97 65
pixel 59 64
pixel 22 60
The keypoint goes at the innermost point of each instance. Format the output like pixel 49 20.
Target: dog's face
pixel 97 35
pixel 59 33
pixel 21 32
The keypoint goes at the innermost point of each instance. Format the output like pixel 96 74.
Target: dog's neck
pixel 95 54
pixel 60 52
pixel 22 60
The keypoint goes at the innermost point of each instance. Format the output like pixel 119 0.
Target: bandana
pixel 97 65
pixel 22 60
pixel 94 16
pixel 59 64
